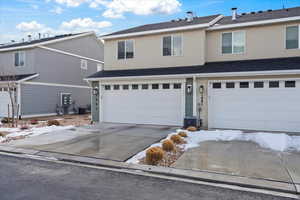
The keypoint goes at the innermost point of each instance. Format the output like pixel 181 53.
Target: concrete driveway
pixel 241 158
pixel 116 142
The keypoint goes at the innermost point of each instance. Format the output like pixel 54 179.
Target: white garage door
pixel 255 105
pixel 160 104
pixel 4 101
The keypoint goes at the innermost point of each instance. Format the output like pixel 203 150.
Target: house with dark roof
pixel 48 73
pixel 231 72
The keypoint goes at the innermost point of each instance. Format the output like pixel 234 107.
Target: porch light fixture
pixel 95 91
pixel 189 89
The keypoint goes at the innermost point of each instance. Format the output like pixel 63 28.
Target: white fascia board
pixel 70 54
pixel 182 28
pixel 28 78
pixel 271 21
pixel 204 75
pixel 47 42
pixel 56 85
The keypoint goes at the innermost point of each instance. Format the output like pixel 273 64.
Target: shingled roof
pixel 166 25
pixel 291 63
pixel 34 42
pixel 17 77
pixel 261 15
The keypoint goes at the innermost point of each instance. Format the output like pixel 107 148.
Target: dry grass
pixel 168 145
pixel 192 128
pixel 154 155
pixel 182 134
pixel 3 134
pixel 177 139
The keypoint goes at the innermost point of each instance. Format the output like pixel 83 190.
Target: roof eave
pixel 255 23
pixel 46 43
pixel 182 28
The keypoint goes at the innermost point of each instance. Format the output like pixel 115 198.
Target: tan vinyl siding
pixel 148 52
pixel 266 41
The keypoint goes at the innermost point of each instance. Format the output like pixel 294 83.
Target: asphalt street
pixel 31 179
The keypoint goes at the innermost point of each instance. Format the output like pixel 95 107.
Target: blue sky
pixel 19 18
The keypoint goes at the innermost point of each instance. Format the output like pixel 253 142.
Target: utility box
pixel 190 121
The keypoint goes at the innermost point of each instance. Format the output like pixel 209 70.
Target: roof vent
pixel 29 38
pixel 190 16
pixel 252 12
pixel 260 11
pixel 244 13
pixel 234 13
pixel 270 10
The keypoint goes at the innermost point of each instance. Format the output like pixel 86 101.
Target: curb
pixel 209 177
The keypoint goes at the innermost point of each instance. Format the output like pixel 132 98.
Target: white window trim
pixel 83 64
pixel 125 58
pixel 99 67
pixel 232 45
pixel 172 45
pixel 15 58
pixel 285 29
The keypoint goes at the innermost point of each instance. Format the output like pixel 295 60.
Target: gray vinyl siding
pixel 58 68
pixel 189 99
pixel 37 99
pixel 7 62
pixel 87 46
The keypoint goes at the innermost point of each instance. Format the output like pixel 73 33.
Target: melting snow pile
pixel 274 141
pixel 15 132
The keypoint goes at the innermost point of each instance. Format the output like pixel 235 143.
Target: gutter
pixel 201 75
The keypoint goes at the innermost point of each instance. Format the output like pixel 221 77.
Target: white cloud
pixel 70 3
pixel 35 6
pixel 57 10
pixel 29 26
pixel 84 24
pixel 116 8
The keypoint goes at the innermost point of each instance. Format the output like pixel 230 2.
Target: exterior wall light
pixel 95 91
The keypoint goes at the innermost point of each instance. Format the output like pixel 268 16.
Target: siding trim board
pixel 56 85
pixel 70 54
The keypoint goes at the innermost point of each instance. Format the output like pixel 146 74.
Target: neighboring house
pixel 49 73
pixel 232 72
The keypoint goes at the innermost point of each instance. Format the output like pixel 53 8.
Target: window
pixel 244 84
pixel 258 84
pixel 145 87
pixel 125 87
pixel 135 87
pixel 20 59
pixel 230 85
pixel 116 87
pixel 99 67
pixel 155 86
pixel 177 85
pixel 172 45
pixel 274 84
pixel 292 37
pixel 290 84
pixel 107 87
pixel 83 64
pixel 233 43
pixel 125 49
pixel 166 86
pixel 217 85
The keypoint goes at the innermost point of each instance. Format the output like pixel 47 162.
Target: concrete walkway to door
pixel 110 141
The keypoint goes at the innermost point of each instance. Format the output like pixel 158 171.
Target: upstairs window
pixel 125 49
pixel 172 45
pixel 83 64
pixel 292 37
pixel 20 59
pixel 233 42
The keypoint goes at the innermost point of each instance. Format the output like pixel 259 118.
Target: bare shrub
pixel 168 145
pixel 154 155
pixel 182 134
pixel 192 128
pixel 53 123
pixel 177 139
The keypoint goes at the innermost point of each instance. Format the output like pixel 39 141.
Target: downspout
pixel 194 96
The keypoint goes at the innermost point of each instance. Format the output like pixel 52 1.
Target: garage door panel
pixel 4 101
pixel 270 109
pixel 143 106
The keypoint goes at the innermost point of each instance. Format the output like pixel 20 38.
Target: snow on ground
pixel 273 141
pixel 34 131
